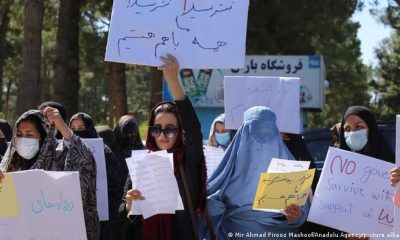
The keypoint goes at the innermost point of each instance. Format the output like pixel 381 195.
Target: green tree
pixel 93 93
pixel 387 82
pixel 12 61
pixel 303 27
pixel 28 91
pixel 4 24
pixel 66 65
pixel 314 27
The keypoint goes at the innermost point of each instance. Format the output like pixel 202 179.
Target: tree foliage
pixel 303 27
pixel 314 27
pixel 28 94
pixel 385 84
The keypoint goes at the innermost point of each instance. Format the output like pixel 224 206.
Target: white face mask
pixel 27 147
pixel 356 140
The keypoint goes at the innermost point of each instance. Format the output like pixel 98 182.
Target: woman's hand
pixel 170 70
pixel 1 176
pixel 394 176
pixel 54 117
pixel 132 194
pixel 293 212
pixel 170 67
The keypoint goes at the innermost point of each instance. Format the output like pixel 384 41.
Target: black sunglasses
pixel 169 132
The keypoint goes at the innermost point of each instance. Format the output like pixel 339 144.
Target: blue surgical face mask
pixel 356 140
pixel 222 139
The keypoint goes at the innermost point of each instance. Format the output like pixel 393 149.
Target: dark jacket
pixel 109 229
pixel 297 146
pixel 127 138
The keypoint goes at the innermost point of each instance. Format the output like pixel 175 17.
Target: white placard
pixel 199 33
pixel 96 146
pixel 50 207
pixel 282 165
pixel 205 87
pixel 153 175
pixel 354 195
pixel 281 94
pixel 132 163
pixel 213 156
pixel 310 70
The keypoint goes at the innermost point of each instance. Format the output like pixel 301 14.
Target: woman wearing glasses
pixel 173 127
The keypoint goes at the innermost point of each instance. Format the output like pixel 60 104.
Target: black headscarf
pixel 6 129
pixel 108 136
pixel 376 146
pixel 127 135
pixel 56 105
pixel 298 147
pixel 5 136
pixel 90 131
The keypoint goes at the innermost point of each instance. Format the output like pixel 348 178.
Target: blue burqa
pixel 232 187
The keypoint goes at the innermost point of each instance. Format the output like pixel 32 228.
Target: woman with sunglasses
pixel 173 127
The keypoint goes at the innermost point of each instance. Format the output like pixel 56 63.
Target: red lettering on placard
pixel 348 166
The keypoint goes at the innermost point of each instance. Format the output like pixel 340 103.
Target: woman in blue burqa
pixel 232 187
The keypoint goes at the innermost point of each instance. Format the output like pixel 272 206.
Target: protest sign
pixel 213 156
pixel 281 94
pixel 96 146
pixel 199 33
pixel 277 190
pixel 282 165
pixel 49 206
pixel 354 194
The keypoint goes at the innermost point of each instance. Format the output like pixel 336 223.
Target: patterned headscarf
pixel 13 162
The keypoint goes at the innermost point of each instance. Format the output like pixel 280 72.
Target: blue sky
pixel 370 34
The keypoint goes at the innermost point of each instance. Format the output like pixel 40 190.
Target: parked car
pixel 319 140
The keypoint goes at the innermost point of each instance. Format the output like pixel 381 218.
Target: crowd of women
pixel 213 208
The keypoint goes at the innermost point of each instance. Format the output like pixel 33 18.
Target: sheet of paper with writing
pixel 153 175
pixel 199 33
pixel 277 190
